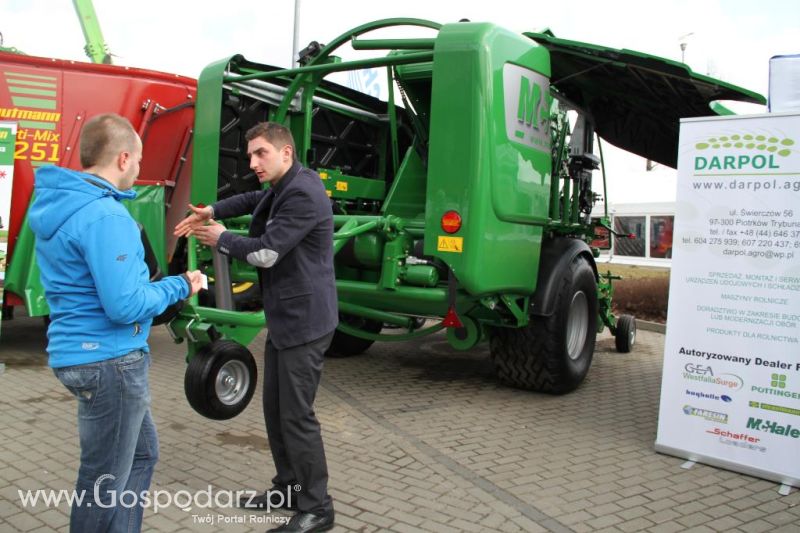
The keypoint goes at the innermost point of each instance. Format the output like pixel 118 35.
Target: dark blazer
pixel 291 243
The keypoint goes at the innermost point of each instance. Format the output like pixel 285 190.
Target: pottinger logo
pixel 777 387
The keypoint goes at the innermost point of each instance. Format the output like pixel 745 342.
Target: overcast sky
pixel 731 39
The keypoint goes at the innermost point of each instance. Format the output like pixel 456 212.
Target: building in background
pixel 649 227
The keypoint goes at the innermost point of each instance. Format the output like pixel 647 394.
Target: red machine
pixel 50 100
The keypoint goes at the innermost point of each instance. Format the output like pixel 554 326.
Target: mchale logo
pixel 768 426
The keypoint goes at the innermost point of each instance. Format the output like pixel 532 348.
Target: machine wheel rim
pixel 577 325
pixel 232 382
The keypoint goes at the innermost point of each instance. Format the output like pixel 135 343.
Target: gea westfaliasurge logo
pixel 705 374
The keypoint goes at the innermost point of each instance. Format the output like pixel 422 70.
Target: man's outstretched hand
pixel 208 234
pixel 199 215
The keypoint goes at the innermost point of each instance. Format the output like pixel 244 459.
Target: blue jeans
pixel 119 445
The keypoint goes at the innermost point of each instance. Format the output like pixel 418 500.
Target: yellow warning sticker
pixel 323 175
pixel 450 244
pixel 329 193
pixel 341 186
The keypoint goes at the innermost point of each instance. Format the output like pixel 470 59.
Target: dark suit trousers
pixel 291 379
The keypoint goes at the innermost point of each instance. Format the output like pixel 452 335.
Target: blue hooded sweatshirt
pixel 91 259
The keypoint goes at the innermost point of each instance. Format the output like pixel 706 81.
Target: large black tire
pixel 344 345
pixel 552 354
pixel 625 336
pixel 221 379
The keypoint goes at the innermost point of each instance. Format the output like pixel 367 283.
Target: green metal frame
pixel 96 47
pixel 513 196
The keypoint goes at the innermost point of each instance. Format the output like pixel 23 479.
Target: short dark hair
pixel 276 134
pixel 103 137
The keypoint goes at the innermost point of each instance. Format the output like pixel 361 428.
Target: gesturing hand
pixel 209 234
pixel 197 218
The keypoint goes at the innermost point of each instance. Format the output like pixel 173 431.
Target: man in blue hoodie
pixel 102 303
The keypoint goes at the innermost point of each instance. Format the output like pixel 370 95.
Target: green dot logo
pixel 749 141
pixel 778 381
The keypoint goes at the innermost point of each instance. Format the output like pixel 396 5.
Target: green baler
pixel 464 205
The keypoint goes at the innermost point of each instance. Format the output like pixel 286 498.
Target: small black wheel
pixel 625 336
pixel 344 345
pixel 221 379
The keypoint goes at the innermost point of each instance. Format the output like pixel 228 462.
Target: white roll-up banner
pixel 730 392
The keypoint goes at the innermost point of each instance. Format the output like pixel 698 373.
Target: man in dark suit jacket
pixel 291 243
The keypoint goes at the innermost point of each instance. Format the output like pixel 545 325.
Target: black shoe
pixel 270 500
pixel 308 522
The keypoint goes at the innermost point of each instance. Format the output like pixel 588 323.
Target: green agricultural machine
pixel 462 203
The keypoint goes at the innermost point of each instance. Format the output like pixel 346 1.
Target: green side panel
pixel 207 118
pixel 148 209
pixel 407 196
pixel 489 156
pixel 22 275
pixel 636 100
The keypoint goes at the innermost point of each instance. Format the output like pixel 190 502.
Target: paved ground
pixel 418 437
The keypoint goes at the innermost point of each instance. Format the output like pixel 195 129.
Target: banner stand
pixel 730 391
